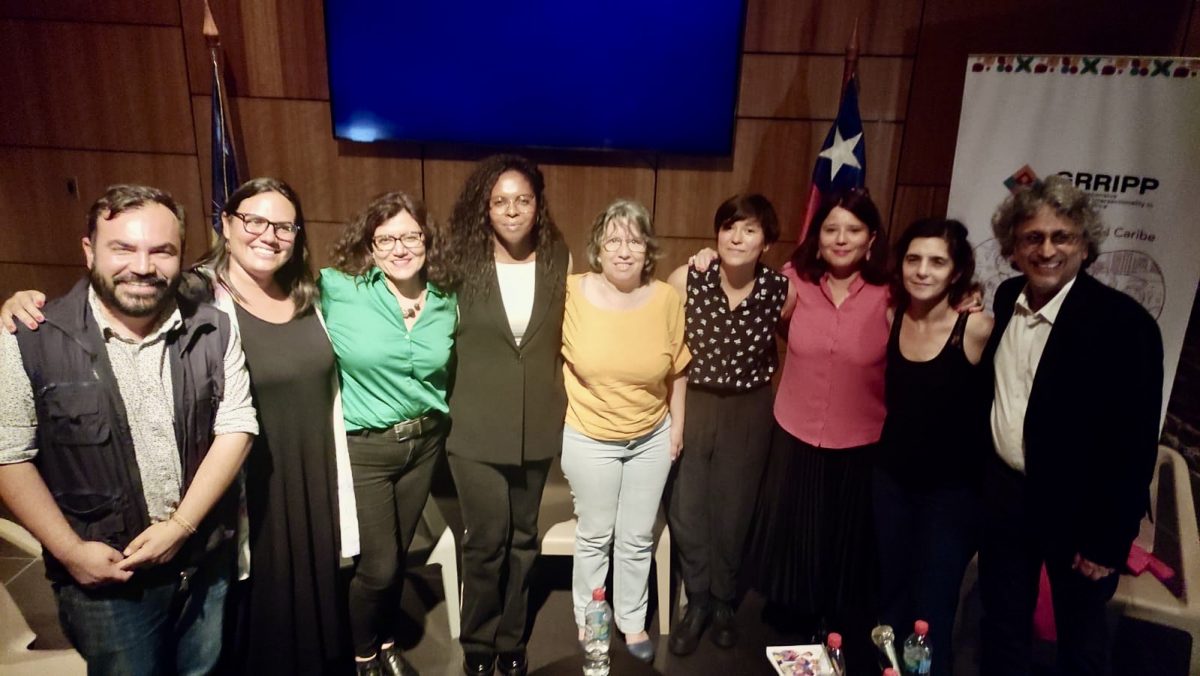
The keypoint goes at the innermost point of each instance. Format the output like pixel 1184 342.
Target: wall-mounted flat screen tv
pixel 645 75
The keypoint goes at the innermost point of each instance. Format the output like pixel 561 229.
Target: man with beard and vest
pixel 123 421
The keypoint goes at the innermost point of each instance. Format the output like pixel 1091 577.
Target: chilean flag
pixel 842 162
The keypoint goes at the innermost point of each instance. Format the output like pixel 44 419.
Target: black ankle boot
pixel 724 625
pixel 686 635
pixel 394 664
pixel 371 667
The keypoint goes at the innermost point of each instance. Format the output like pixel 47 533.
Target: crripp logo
pixel 1111 183
pixel 1023 177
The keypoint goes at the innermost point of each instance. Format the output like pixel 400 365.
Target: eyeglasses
pixel 413 241
pixel 524 203
pixel 613 244
pixel 257 225
pixel 1059 238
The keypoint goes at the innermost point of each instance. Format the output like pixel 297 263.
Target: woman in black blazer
pixel 510 265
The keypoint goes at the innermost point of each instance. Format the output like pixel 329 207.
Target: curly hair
pixel 954 234
pixel 806 259
pixel 295 276
pixel 1058 194
pixel 352 252
pixel 630 213
pixel 470 250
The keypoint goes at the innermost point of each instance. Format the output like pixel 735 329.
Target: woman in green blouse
pixel 392 329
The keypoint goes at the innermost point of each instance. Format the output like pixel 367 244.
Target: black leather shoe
pixel 686 635
pixel 724 626
pixel 394 663
pixel 478 664
pixel 512 663
pixel 371 667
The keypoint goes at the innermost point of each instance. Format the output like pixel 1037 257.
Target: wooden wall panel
pixel 577 193
pixel 951 30
pixel 95 86
pixel 916 201
pixel 772 157
pixel 292 140
pixel 824 26
pixel 33 190
pixel 272 48
pixel 53 280
pixel 321 237
pixel 156 12
pixel 806 87
pixel 1191 42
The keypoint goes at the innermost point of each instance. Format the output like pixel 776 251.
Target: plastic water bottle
pixel 917 651
pixel 597 624
pixel 833 648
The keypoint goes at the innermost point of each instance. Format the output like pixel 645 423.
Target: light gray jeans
pixel 617 486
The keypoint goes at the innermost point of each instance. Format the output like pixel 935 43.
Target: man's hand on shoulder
pixel 24 307
pixel 94 564
pixel 154 546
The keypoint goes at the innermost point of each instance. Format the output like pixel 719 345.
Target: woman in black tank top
pixel 934 437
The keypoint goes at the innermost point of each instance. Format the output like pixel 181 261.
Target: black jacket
pixel 85 447
pixel 1092 423
pixel 508 403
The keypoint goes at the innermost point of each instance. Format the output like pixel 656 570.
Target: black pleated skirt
pixel 812 546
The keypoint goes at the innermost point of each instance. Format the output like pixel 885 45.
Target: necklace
pixel 410 312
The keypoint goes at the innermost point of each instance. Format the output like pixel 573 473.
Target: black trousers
pixel 726 438
pixel 926 538
pixel 500 506
pixel 1010 559
pixel 391 485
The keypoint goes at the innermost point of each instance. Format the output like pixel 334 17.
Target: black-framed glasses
pixel 613 244
pixel 257 225
pixel 413 241
pixel 523 203
pixel 1059 238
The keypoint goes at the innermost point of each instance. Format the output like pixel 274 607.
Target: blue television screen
pixel 649 75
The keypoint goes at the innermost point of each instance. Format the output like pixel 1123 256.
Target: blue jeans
pixel 168 626
pixel 617 487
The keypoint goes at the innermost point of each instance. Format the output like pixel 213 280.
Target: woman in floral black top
pixel 732 312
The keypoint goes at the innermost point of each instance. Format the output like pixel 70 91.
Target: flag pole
pixel 852 49
pixel 224 160
pixel 849 68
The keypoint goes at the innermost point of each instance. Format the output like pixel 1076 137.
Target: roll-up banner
pixel 1126 130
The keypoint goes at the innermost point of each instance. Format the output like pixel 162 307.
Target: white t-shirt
pixel 516 289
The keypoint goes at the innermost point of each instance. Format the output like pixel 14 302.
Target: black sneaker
pixel 724 625
pixel 685 637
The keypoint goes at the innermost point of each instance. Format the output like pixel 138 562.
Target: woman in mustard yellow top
pixel 624 353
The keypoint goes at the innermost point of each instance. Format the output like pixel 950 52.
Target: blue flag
pixel 224 163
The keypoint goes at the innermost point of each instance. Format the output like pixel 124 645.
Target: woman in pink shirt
pixel 813 537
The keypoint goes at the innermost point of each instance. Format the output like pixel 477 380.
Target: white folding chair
pixel 1174 537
